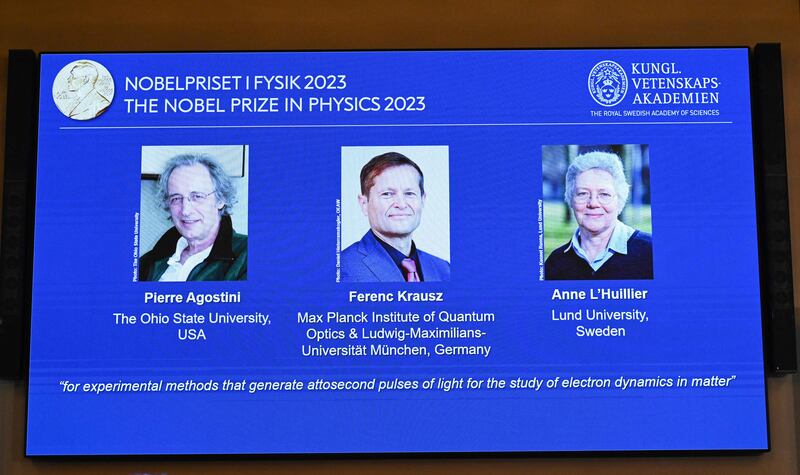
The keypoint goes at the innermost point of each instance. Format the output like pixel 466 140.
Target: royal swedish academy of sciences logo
pixel 608 83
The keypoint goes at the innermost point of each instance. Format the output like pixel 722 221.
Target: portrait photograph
pixel 394 221
pixel 596 212
pixel 193 213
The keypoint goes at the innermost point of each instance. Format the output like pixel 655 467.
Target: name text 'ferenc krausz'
pixel 399 296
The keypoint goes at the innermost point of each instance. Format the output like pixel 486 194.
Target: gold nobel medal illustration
pixel 83 89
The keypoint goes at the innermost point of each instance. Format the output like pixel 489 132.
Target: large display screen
pixel 395 252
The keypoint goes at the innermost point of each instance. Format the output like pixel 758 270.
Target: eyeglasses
pixel 195 198
pixel 583 197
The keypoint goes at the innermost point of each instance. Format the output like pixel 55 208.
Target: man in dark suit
pixel 392 198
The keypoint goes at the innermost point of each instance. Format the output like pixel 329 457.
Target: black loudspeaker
pixel 774 232
pixel 16 241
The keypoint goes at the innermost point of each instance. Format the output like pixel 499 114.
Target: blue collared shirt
pixel 617 244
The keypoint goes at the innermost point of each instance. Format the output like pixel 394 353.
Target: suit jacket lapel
pixel 378 261
pixel 429 270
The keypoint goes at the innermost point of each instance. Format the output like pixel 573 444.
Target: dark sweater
pixel 636 264
pixel 227 260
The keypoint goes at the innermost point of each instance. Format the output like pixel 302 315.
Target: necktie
pixel 411 270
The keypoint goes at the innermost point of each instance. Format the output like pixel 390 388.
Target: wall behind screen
pixel 241 25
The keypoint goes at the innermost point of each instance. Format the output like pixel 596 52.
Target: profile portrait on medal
pixel 83 89
pixel 395 221
pixel 193 215
pixel 597 213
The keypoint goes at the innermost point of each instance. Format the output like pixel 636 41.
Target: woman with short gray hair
pixel 602 246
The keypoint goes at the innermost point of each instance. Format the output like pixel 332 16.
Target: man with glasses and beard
pixel 202 244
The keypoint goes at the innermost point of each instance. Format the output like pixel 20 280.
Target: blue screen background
pixel 494 110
